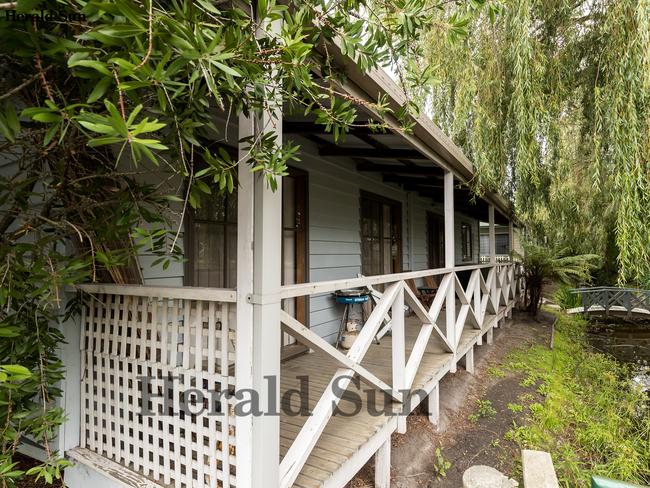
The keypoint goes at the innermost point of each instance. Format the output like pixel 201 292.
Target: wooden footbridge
pixel 609 300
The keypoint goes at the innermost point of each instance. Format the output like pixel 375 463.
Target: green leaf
pixel 90 63
pixel 121 31
pixel 16 369
pixel 152 143
pixel 51 132
pixel 5 130
pixel 46 117
pixel 102 141
pixel 12 118
pixel 9 331
pixel 99 89
pixel 100 128
pixel 226 69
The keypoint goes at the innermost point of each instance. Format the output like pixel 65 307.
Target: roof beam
pixel 312 128
pixel 413 180
pixel 373 153
pixel 396 168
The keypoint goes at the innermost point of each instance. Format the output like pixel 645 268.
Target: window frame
pixel 396 210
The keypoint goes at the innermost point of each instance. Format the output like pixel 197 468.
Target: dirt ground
pixel 461 441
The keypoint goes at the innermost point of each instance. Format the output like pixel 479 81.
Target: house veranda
pixel 252 309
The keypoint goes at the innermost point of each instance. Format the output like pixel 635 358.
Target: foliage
pixel 550 100
pixel 484 409
pixel 542 263
pixel 96 101
pixel 515 407
pixel 440 465
pixel 565 298
pixel 593 420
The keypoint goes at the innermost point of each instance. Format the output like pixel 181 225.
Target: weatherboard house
pixel 190 379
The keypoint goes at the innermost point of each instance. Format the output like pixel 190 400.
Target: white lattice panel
pixel 186 349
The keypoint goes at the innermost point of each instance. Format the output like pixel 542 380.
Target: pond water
pixel 627 341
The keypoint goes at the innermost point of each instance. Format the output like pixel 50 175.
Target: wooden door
pixel 381 235
pixel 294 249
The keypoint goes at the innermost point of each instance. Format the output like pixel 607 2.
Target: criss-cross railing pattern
pixel 614 299
pixel 488 289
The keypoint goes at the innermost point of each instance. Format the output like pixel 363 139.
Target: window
pixel 466 241
pixel 211 242
pixel 381 243
pixel 502 244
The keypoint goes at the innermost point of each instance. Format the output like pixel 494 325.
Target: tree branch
pixel 25 83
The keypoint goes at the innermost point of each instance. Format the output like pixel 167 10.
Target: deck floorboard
pixel 344 436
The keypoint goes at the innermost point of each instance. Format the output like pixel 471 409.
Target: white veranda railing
pixel 171 341
pixel 482 297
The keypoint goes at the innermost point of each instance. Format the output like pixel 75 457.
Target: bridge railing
pixel 612 298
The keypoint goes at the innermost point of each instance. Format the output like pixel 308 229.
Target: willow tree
pixel 551 101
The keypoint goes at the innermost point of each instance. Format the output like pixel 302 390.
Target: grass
pixel 484 408
pixel 592 419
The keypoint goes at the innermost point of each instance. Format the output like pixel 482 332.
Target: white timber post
pixel 478 306
pixel 69 433
pixel 399 354
pixel 258 311
pixel 492 236
pixel 244 329
pixel 511 239
pixel 382 466
pixel 468 361
pixel 434 406
pixel 259 244
pixel 450 261
pixel 493 258
pixel 511 249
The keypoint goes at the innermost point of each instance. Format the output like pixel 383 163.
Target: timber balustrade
pixel 167 341
pixel 143 348
pixel 481 297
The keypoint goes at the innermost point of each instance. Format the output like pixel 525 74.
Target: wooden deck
pixel 340 452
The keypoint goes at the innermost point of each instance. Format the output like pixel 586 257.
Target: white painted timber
pixel 70 352
pixel 244 353
pixel 450 304
pixel 267 232
pixel 511 237
pixel 382 466
pixel 315 288
pixel 493 252
pixel 94 470
pixel 468 361
pixel 614 309
pixel 434 406
pixel 183 292
pixel 398 351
